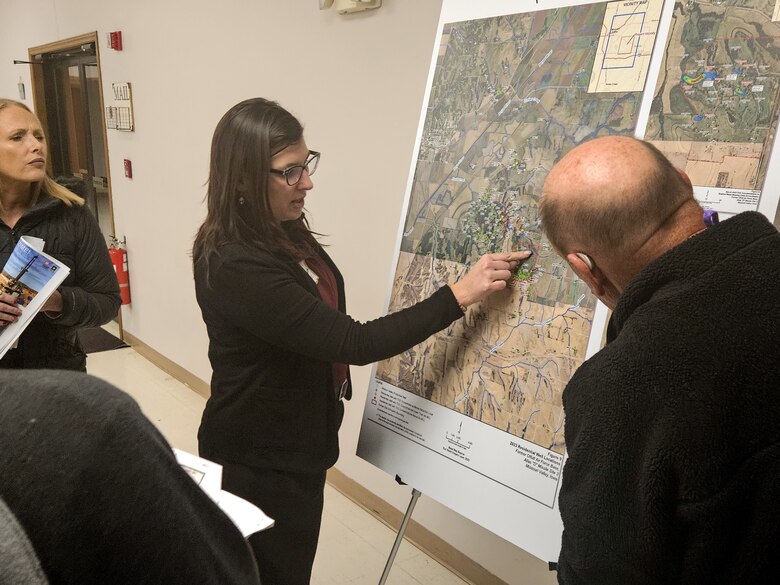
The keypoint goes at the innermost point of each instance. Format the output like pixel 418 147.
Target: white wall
pixel 355 81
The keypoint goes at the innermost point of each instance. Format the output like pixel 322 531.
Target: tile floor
pixel 353 544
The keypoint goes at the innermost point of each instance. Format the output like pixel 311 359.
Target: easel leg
pixel 401 531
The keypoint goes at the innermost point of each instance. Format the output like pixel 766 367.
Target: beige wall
pixel 356 82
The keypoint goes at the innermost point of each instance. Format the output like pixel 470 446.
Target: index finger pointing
pixel 518 256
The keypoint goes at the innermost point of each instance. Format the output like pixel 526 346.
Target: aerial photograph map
pixel 714 112
pixel 509 97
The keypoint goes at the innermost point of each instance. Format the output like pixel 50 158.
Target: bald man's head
pixel 609 195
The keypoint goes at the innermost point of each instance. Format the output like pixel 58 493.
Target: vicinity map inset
pixel 509 97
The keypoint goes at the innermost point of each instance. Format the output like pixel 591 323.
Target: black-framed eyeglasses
pixel 294 173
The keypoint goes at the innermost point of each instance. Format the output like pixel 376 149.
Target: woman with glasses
pixel 279 338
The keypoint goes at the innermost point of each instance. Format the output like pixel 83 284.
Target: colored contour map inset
pixel 719 127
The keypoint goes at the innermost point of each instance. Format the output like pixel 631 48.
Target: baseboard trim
pixel 167 365
pixel 428 542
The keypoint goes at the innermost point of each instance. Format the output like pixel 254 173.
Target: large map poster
pixel 473 416
pixel 715 108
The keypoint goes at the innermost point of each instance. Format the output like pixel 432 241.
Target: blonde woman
pixel 31 203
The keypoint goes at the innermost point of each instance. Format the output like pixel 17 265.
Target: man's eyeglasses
pixel 294 173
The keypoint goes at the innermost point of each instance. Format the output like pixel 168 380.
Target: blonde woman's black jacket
pixel 90 293
pixel 673 429
pixel 272 341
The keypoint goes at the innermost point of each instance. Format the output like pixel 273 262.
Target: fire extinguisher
pixel 119 259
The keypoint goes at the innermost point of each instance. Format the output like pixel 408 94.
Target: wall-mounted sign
pixel 119 115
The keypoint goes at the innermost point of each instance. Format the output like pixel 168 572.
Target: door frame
pixel 35 55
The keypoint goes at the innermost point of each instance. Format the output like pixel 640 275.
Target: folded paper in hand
pixel 30 276
pixel 208 475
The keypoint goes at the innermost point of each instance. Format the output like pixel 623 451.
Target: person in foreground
pixel 672 429
pixel 279 338
pixel 32 204
pixel 99 495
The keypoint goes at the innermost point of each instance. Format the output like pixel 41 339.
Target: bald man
pixel 673 429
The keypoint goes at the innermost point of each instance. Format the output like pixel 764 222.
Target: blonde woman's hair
pixel 48 185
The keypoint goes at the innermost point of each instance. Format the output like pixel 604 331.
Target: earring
pixel 241 201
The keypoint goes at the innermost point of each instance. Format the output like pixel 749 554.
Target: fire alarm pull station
pixel 115 40
pixel 128 168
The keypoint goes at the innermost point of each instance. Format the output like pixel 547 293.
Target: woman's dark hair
pixel 245 140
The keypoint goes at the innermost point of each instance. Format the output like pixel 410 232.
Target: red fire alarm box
pixel 128 168
pixel 115 40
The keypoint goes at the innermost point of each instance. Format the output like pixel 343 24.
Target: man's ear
pixel 585 268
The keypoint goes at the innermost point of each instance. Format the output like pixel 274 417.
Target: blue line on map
pixel 609 39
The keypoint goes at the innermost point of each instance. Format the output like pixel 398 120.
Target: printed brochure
pixel 30 276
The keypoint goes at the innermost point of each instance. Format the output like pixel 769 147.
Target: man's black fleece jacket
pixel 673 429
